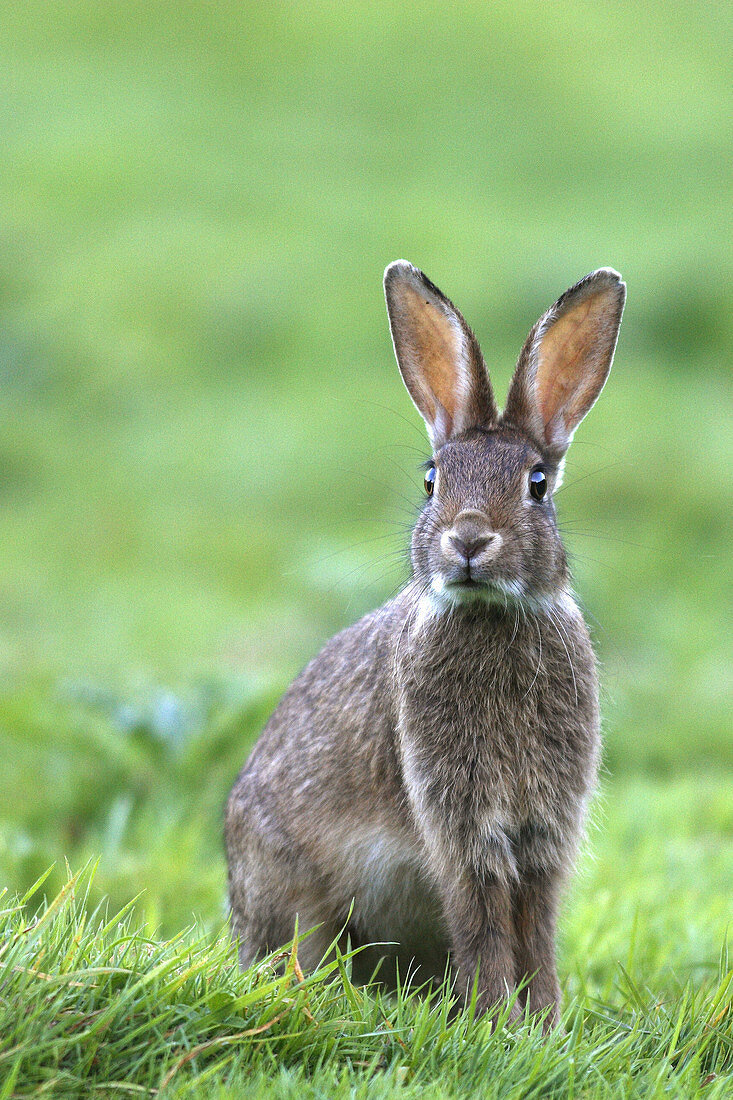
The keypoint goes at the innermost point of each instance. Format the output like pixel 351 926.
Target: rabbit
pixel 424 781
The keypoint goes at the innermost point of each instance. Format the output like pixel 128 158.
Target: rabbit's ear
pixel 438 356
pixel 565 361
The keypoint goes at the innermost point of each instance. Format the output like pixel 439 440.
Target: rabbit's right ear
pixel 565 361
pixel 438 356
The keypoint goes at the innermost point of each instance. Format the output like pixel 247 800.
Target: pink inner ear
pixel 573 362
pixel 437 350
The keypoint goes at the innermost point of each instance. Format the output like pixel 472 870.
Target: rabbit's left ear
pixel 438 356
pixel 565 361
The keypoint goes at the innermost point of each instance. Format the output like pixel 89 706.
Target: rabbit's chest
pixel 492 752
pixel 479 753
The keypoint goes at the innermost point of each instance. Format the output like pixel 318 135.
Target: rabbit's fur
pixel 425 779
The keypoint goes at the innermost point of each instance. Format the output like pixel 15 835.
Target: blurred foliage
pixel 207 460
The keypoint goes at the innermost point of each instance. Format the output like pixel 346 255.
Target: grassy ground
pixel 95 1002
pixel 89 1005
pixel 207 463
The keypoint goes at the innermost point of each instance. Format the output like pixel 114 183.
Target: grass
pixel 208 465
pixel 90 1005
pixel 90 1001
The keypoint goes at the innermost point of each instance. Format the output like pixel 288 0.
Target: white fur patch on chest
pixel 390 884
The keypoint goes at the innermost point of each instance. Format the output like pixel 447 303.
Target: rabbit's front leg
pixel 478 913
pixel 535 916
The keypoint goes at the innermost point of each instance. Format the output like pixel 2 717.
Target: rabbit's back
pixel 318 817
pixel 330 740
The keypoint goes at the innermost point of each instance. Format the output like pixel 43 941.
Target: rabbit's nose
pixel 468 547
pixel 468 544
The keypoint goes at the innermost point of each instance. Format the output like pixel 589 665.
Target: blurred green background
pixel 207 458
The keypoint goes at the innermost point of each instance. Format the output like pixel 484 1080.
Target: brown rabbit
pixel 426 777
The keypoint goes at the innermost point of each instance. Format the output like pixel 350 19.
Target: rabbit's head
pixel 488 529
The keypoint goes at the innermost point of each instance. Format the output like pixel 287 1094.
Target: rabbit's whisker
pixel 386 408
pixel 516 626
pixel 574 533
pixel 355 546
pixel 539 658
pixel 591 473
pixel 559 633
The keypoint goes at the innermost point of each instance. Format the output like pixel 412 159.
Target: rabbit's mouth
pixel 470 584
pixel 469 589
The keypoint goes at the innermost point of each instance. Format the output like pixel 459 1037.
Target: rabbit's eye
pixel 538 483
pixel 430 475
